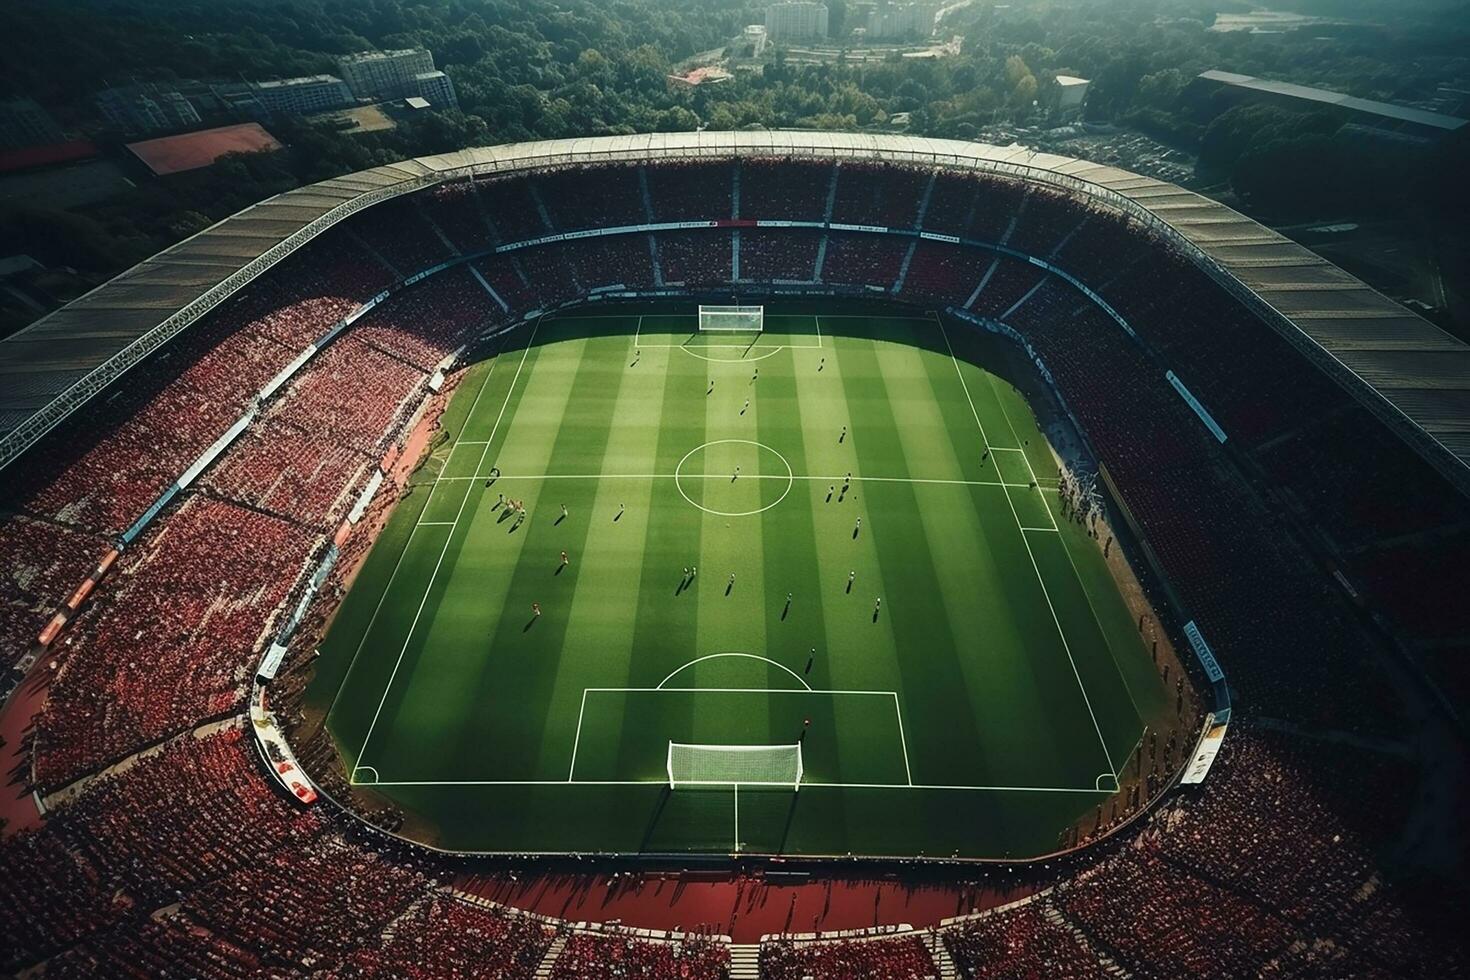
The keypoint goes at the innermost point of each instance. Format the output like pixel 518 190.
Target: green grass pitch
pixel 989 702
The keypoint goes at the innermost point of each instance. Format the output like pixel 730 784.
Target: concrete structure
pixel 385 74
pixel 1409 372
pixel 753 40
pixel 1417 123
pixel 891 21
pixel 1073 92
pixel 436 88
pixel 708 75
pixel 24 123
pixel 147 108
pixel 796 20
pixel 311 93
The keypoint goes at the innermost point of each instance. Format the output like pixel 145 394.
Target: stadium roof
pixel 1405 368
pixel 1383 110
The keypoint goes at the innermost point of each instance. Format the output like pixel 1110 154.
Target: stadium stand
pixel 170 854
pixel 903 958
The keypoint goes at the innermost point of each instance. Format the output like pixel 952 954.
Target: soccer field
pixel 990 700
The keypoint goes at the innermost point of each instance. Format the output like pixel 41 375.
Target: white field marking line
pixel 730 690
pixel 751 476
pixel 1046 530
pixel 447 539
pixel 578 740
pixel 392 577
pixel 903 739
pixel 636 331
pixel 735 653
pixel 376 776
pixel 804 785
pixel 737 818
pixel 1091 606
pixel 1046 593
pixel 434 523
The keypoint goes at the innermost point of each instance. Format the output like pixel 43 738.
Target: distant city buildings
pixel 24 123
pixel 892 21
pixel 796 21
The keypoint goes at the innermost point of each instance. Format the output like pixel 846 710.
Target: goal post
pixel 734 765
pixel 732 319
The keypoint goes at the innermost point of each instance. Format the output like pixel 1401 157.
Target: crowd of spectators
pixel 779 254
pixel 861 259
pixel 454 209
pixel 785 190
pixel 879 195
pixel 172 637
pixel 46 563
pixel 898 958
pixel 184 862
pixel 446 937
pixel 1026 942
pixel 624 956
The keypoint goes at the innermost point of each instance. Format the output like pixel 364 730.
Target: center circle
pixel 717 462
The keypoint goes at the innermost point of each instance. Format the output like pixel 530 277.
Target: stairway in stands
pixel 745 961
pixel 543 970
pixel 943 962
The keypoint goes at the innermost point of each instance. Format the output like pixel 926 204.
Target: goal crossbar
pixel 732 319
pixel 693 764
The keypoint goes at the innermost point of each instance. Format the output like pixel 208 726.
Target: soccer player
pixel 850 576
pixel 686 574
pixel 877 604
pixel 859 526
pixel 810 658
pixel 536 609
pixel 563 510
pixel 757 374
pixel 565 560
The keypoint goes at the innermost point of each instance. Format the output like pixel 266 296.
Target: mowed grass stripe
pixel 934 683
pixel 610 562
pixel 983 573
pixel 788 541
pixel 450 646
pixel 856 653
pixel 386 625
pixel 508 711
pixel 1048 606
pixel 733 619
pixel 665 630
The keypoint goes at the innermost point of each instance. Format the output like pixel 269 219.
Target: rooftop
pixel 1384 110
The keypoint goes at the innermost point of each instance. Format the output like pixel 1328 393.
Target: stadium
pixel 780 554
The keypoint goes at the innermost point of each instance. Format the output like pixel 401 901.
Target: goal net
pixel 727 765
pixel 732 319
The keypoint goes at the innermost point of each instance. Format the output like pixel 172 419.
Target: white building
pixel 146 108
pixel 796 20
pixel 754 39
pixel 1074 90
pixel 437 89
pixel 310 93
pixel 385 74
pixel 889 21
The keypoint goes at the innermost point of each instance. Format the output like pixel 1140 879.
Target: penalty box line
pixel 897 713
pixel 1026 540
pixel 459 515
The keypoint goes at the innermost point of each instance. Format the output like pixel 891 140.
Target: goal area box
pixel 732 319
